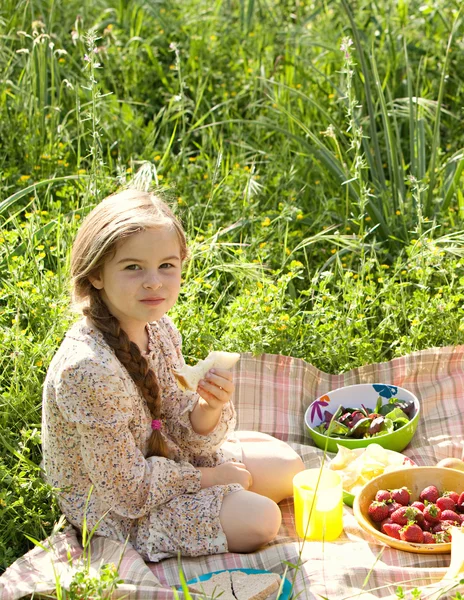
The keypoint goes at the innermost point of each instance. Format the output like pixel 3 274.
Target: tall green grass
pixel 313 153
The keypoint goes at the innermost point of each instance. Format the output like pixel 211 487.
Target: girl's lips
pixel 153 301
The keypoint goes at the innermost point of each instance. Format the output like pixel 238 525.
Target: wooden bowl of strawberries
pixel 413 509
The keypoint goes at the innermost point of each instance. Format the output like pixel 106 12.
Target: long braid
pixel 136 364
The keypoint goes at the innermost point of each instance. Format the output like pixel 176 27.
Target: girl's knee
pixel 293 461
pixel 249 521
pixel 270 521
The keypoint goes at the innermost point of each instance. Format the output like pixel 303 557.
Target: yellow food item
pixel 359 466
pixel 452 463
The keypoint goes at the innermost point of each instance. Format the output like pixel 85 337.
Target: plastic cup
pixel 318 498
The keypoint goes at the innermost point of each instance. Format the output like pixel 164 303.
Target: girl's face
pixel 142 280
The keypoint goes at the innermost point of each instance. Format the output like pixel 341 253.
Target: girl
pixel 129 452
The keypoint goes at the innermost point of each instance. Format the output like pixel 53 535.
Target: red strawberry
pixel 430 493
pixel 461 517
pixel 383 496
pixel 401 495
pixel 378 511
pixel 426 525
pixel 392 529
pixel 428 538
pixel 460 504
pixel 412 533
pixel 399 516
pixel 453 495
pixel 450 515
pixel 442 537
pixel 419 505
pixel 414 514
pixel 432 513
pixel 393 506
pixel 445 503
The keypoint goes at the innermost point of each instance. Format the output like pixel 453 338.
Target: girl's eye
pixel 133 267
pixel 166 266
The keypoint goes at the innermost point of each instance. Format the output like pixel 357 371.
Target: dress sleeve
pixel 181 429
pixel 97 401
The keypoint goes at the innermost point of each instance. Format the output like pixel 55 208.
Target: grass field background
pixel 313 150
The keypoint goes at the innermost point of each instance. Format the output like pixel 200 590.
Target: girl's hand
pixel 228 472
pixel 216 388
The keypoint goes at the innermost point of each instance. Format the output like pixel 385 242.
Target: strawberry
pixel 399 516
pixel 383 496
pixel 419 505
pixel 461 517
pixel 414 514
pixel 430 493
pixel 428 538
pixel 445 503
pixel 393 506
pixel 450 515
pixel 453 495
pixel 426 525
pixel 442 537
pixel 392 529
pixel 412 533
pixel 378 511
pixel 460 504
pixel 432 513
pixel 401 495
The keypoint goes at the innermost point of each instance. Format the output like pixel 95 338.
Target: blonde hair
pixel 116 218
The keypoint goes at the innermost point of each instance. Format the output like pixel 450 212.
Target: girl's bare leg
pixel 249 520
pixel 271 462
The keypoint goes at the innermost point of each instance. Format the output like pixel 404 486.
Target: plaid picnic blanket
pixel 272 394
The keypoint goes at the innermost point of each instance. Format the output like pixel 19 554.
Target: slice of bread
pixel 254 586
pixel 217 587
pixel 188 377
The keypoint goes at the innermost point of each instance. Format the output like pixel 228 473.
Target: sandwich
pixel 188 377
pixel 254 586
pixel 218 587
pixel 237 585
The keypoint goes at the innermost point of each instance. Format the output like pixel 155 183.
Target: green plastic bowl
pixel 353 396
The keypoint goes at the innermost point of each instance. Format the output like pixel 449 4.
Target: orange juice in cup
pixel 318 498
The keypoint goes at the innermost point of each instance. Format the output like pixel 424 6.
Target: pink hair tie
pixel 156 424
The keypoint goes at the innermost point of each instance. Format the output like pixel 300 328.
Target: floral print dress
pixel 95 429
